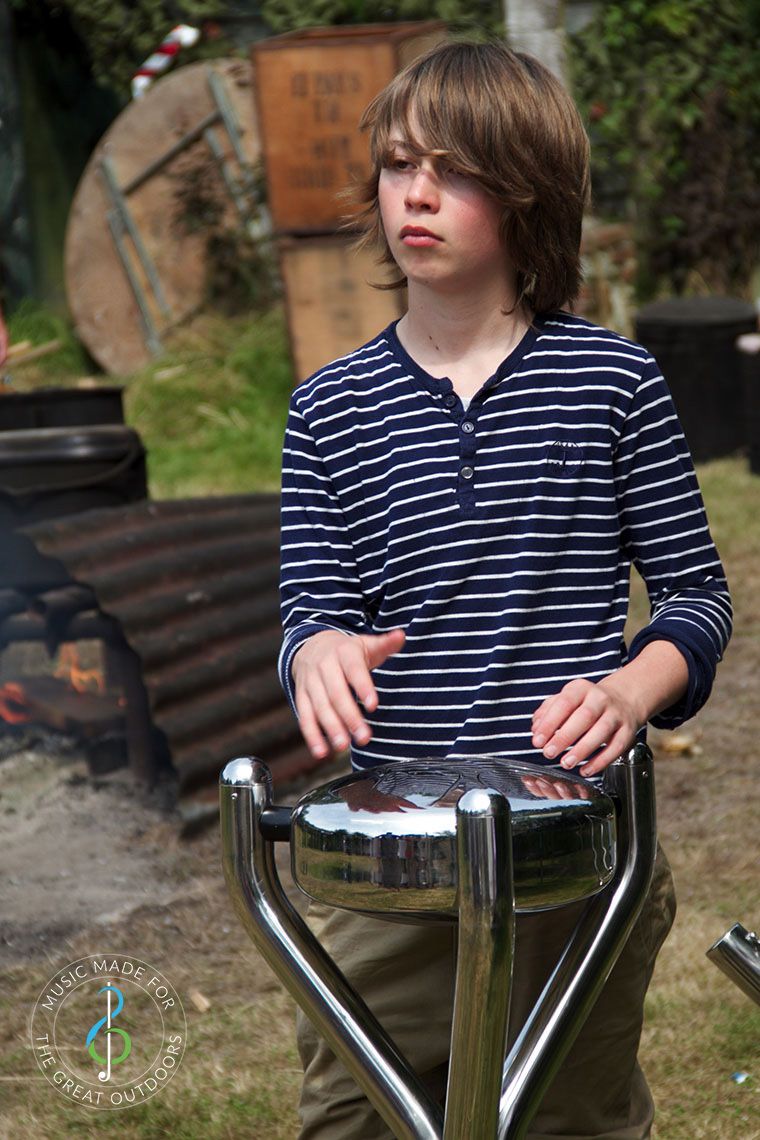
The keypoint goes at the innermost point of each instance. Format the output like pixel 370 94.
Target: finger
pixel 601 735
pixel 539 712
pixel 557 709
pixel 344 707
pixel 378 647
pixel 581 721
pixel 310 730
pixel 359 678
pixel 619 744
pixel 327 716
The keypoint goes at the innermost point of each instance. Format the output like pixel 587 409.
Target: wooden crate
pixel 331 307
pixel 311 89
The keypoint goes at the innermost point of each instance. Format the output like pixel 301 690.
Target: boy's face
pixel 441 225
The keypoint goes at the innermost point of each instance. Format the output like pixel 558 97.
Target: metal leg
pixel 591 952
pixel 737 954
pixel 484 965
pixel 288 946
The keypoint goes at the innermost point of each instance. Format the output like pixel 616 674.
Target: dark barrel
pixel 47 473
pixel 749 350
pixel 694 342
pixel 61 407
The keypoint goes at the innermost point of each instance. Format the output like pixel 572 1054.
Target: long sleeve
pixel 665 529
pixel 319 582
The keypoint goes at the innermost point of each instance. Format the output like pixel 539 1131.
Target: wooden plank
pixel 331 306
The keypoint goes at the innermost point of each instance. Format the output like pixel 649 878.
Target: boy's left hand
pixel 583 717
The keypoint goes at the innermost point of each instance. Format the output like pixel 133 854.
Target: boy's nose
pixel 422 190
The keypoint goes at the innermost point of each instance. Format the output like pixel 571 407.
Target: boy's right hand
pixel 325 670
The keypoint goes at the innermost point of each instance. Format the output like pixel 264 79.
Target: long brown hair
pixel 503 118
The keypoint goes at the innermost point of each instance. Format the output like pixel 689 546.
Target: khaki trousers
pixel 406 975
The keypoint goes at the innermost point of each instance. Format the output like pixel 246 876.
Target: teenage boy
pixel 462 501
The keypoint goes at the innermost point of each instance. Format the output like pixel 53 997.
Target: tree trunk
pixel 538 28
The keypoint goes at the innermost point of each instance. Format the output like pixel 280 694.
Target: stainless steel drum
pixel 467 841
pixel 384 842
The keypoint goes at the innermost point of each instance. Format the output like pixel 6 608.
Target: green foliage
pixel 241 272
pixel 119 35
pixel 477 18
pixel 212 410
pixel 31 321
pixel 671 92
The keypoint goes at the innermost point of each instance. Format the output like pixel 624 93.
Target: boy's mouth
pixel 418 235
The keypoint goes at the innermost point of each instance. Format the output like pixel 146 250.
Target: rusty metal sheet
pixel 193 584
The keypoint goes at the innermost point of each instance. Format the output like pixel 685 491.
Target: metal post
pixel 591 952
pixel 484 965
pixel 289 947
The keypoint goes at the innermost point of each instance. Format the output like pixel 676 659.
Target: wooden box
pixel 331 307
pixel 311 89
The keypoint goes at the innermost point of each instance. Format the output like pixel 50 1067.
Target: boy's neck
pixel 460 337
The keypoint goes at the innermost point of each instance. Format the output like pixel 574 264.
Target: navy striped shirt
pixel 499 538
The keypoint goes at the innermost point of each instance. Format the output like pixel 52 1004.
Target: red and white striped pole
pixel 162 58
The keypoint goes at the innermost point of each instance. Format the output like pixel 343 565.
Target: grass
pixel 33 322
pixel 239 1076
pixel 212 414
pixel 211 411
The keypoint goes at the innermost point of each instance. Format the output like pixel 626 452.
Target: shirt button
pixel 467 472
pixel 450 400
pixel 468 426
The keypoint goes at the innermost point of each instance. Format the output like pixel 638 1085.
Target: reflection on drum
pixel 384 841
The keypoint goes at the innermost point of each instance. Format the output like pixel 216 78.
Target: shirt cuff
pixel 699 683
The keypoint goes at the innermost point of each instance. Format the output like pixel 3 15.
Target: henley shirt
pixel 499 538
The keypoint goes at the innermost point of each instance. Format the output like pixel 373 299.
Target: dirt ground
pixel 83 853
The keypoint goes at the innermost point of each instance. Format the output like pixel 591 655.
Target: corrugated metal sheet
pixel 194 586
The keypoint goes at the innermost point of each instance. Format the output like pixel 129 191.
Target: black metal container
pixel 749 350
pixel 47 473
pixel 694 342
pixel 61 407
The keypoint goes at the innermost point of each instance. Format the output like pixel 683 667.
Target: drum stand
pixel 488 1095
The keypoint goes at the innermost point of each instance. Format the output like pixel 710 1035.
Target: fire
pixel 69 669
pixel 12 704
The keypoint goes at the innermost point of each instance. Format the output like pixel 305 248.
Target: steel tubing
pixel 737 954
pixel 486 901
pixel 591 952
pixel 295 956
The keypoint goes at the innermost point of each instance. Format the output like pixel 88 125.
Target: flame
pixel 81 679
pixel 12 704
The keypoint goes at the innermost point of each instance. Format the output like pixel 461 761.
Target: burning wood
pixel 56 704
pixel 12 709
pixel 79 677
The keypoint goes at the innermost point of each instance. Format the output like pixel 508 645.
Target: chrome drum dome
pixel 384 841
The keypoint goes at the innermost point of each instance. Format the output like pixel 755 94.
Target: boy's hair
pixel 502 117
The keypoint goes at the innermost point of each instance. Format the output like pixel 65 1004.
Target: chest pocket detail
pixel 564 458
